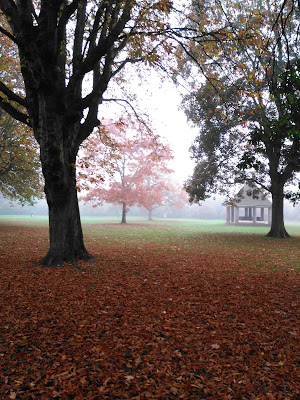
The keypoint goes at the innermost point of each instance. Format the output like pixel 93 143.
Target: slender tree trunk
pixel 124 210
pixel 277 226
pixel 150 215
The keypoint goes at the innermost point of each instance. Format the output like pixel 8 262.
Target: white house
pixel 249 206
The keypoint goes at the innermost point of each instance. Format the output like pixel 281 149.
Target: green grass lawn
pixel 246 244
pixel 188 225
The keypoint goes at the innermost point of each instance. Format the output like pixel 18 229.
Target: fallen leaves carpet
pixel 147 319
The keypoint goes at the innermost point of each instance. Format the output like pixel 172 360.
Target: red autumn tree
pixel 118 159
pixel 158 190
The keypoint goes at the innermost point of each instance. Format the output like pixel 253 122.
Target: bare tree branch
pixel 18 115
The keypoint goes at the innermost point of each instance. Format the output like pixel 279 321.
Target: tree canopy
pixel 20 171
pixel 124 164
pixel 246 109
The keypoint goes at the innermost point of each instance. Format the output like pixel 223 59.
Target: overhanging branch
pixel 9 35
pixel 18 115
pixel 139 119
pixel 11 95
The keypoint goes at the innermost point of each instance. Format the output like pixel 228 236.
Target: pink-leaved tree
pixel 117 163
pixel 159 190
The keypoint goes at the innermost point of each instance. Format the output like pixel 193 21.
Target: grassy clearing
pixel 249 245
pixel 183 237
pixel 186 224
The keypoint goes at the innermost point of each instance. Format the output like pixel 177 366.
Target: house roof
pixel 251 197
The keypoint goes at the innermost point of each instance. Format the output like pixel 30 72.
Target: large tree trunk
pixel 66 238
pixel 124 210
pixel 277 226
pixel 58 158
pixel 150 215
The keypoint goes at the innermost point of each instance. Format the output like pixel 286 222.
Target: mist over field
pixel 210 209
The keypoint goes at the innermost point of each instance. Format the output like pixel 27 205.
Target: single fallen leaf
pixel 174 390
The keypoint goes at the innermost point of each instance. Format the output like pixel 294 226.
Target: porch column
pixel 232 214
pixel 254 215
pixel 236 211
pixel 227 215
pixel 262 214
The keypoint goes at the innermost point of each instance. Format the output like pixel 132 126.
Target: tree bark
pixel 65 231
pixel 277 226
pixel 124 210
pixel 66 237
pixel 150 215
pixel 58 152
